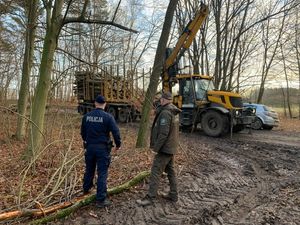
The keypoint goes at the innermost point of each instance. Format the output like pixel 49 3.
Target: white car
pixel 266 118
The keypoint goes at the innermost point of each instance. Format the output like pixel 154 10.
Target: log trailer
pixel 122 97
pixel 218 112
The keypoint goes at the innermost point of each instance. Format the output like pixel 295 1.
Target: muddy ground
pixel 247 179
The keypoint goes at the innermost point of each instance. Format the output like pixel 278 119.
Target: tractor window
pixel 201 87
pixel 187 92
pixel 175 89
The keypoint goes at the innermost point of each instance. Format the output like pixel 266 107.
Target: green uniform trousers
pixel 162 163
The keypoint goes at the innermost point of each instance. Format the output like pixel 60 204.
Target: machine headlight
pixel 237 113
pixel 253 110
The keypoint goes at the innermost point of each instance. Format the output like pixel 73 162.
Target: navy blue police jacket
pixel 96 127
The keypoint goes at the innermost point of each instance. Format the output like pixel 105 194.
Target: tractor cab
pixel 192 90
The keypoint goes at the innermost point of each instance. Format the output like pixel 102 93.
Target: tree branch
pixel 66 208
pixel 113 19
pixel 74 57
pixel 90 21
pixel 84 8
pixel 67 10
pixel 282 10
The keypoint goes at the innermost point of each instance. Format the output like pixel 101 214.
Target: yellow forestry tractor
pixel 218 112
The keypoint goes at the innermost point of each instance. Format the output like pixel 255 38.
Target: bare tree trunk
pixel 55 20
pixel 269 55
pixel 235 48
pixel 284 104
pixel 287 83
pixel 216 8
pixel 157 70
pixel 195 58
pixel 297 44
pixel 54 23
pixel 27 65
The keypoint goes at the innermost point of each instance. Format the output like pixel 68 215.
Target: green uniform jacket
pixel 165 130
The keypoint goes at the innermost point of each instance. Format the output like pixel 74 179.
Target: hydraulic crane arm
pixel 183 43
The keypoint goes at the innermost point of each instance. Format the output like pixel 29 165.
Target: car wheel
pixel 257 124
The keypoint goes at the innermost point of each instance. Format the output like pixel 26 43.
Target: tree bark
pixel 156 72
pixel 297 46
pixel 54 23
pixel 284 104
pixel 287 83
pixel 27 65
pixel 216 8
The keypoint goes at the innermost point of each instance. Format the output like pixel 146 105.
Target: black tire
pixel 123 115
pixel 257 124
pixel 113 112
pixel 266 127
pixel 214 124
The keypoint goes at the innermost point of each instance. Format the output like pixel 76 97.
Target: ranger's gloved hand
pixel 117 148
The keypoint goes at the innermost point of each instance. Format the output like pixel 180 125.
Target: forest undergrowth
pixel 55 174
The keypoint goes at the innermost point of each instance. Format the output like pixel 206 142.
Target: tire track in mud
pixel 224 181
pixel 276 169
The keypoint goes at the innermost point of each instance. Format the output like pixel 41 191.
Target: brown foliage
pixel 61 127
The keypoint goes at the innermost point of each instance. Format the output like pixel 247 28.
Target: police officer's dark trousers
pixel 97 156
pixel 162 163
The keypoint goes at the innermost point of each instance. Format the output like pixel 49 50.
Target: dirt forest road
pixel 249 179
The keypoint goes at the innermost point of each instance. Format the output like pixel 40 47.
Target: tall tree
pixel 288 101
pixel 297 48
pixel 157 71
pixel 31 7
pixel 271 43
pixel 56 18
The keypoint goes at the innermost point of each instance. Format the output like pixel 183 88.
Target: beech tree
pixel 31 7
pixel 157 70
pixel 57 15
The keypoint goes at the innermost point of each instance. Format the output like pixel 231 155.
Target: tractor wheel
pixel 123 115
pixel 214 124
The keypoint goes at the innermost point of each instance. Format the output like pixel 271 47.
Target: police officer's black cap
pixel 167 95
pixel 100 99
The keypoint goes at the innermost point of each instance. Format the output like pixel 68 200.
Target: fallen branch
pixel 67 208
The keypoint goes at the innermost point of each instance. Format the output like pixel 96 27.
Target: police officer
pixel 95 132
pixel 163 141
